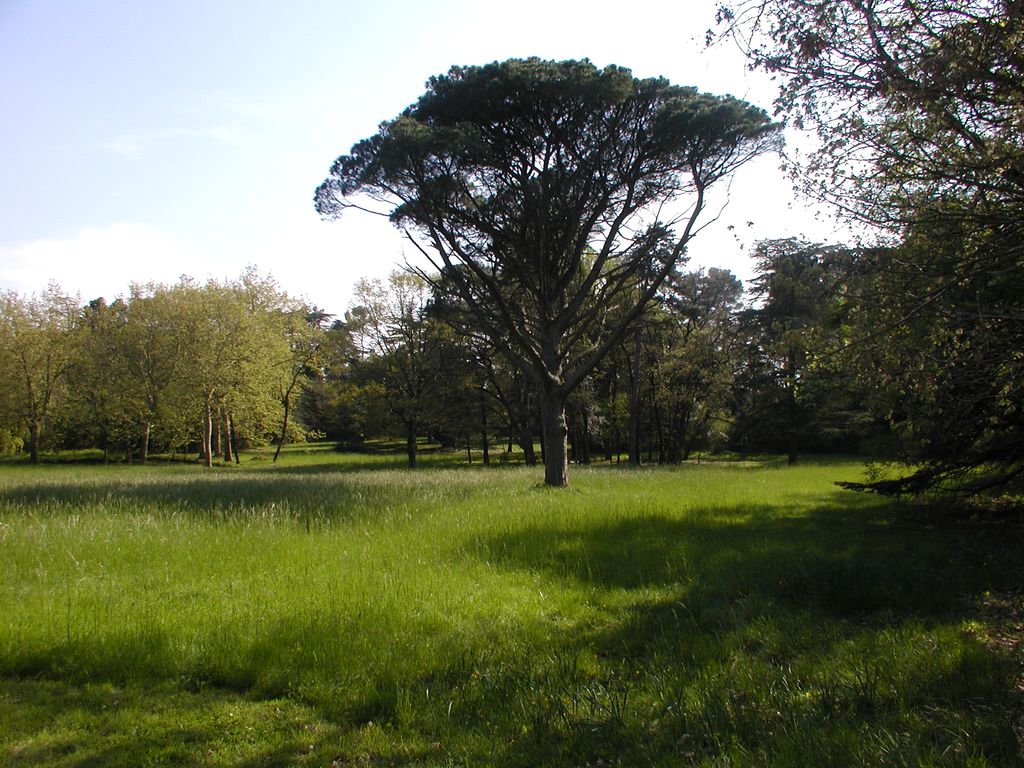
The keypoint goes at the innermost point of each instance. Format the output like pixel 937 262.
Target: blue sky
pixel 142 141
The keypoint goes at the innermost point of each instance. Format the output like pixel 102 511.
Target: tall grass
pixel 707 615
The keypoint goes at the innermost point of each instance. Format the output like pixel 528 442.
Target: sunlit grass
pixel 346 609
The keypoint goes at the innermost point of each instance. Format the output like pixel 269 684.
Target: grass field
pixel 338 610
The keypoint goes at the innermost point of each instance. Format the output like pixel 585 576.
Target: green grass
pixel 334 609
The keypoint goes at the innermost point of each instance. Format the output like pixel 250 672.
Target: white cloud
pixel 98 261
pixel 308 257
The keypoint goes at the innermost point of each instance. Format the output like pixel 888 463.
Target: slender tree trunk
pixel 483 430
pixel 234 438
pixel 524 429
pixel 526 443
pixel 146 428
pixel 554 438
pixel 659 430
pixel 583 456
pixel 226 435
pixel 35 429
pixel 410 444
pixel 208 435
pixel 634 402
pixel 287 402
pixel 792 415
pixel 613 446
pixel 215 434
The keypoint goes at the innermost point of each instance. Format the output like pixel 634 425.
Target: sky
pixel 144 141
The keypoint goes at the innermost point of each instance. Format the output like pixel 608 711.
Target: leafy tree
pixel 34 359
pixel 332 403
pixel 792 290
pixel 303 329
pixel 917 106
pixel 696 363
pixel 401 345
pixel 153 345
pixel 233 349
pixel 537 188
pixel 104 407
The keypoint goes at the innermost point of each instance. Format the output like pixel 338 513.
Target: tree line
pixel 191 367
pixel 204 369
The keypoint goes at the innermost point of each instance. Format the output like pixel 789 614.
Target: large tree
pixel 545 193
pixel 919 110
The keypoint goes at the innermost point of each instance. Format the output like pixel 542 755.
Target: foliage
pixel 918 109
pixel 191 364
pixel 406 354
pixel 34 358
pixel 798 390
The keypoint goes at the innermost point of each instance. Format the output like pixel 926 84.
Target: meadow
pixel 336 609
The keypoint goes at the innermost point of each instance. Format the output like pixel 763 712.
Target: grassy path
pixel 320 612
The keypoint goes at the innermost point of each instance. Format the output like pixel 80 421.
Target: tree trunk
pixel 234 437
pixel 659 430
pixel 634 402
pixel 146 428
pixel 287 402
pixel 208 436
pixel 35 429
pixel 526 443
pixel 226 432
pixel 554 437
pixel 792 415
pixel 583 449
pixel 215 434
pixel 483 430
pixel 410 444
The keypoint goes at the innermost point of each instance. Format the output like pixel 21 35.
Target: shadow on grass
pixel 807 635
pixel 63 724
pixel 837 560
pixel 305 494
pixel 58 724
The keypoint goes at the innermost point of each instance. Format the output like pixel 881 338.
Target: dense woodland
pixel 559 309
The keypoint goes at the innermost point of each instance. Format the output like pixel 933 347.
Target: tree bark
pixel 234 437
pixel 634 402
pixel 554 438
pixel 284 427
pixel 34 431
pixel 483 431
pixel 226 436
pixel 146 428
pixel 792 415
pixel 410 444
pixel 208 436
pixel 215 434
pixel 529 454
